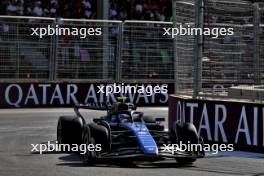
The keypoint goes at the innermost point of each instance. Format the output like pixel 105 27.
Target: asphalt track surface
pixel 22 127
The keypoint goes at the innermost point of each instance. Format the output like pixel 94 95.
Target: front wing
pixel 136 153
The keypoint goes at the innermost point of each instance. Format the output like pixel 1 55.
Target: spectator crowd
pixel 159 10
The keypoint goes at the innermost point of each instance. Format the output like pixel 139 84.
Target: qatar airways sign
pixel 221 121
pixel 67 94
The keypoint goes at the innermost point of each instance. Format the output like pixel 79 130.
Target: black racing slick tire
pixel 89 156
pixel 69 130
pixel 96 135
pixel 101 135
pixel 185 133
pixel 184 161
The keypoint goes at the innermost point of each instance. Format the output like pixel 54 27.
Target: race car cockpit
pixel 121 117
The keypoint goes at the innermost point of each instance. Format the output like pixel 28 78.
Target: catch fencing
pixel 90 57
pixel 23 56
pixel 229 66
pixel 146 53
pixel 126 50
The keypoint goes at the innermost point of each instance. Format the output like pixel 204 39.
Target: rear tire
pixel 69 130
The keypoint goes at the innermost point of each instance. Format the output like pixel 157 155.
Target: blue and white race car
pixel 127 133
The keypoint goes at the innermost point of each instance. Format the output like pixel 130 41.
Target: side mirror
pixel 132 106
pixel 137 116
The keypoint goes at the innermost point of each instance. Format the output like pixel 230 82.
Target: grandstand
pixel 159 10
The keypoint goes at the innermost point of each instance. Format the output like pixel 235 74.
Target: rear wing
pixel 92 106
pixel 95 106
pixel 100 106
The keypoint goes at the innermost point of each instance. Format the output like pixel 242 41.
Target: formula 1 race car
pixel 127 133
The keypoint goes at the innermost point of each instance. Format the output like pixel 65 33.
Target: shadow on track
pixel 75 160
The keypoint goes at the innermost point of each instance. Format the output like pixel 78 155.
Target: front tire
pixel 96 135
pixel 184 161
pixel 185 133
pixel 89 156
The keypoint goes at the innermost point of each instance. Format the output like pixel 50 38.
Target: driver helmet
pixel 120 107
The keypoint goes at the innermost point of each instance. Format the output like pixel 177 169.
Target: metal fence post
pixel 175 56
pixel 198 48
pixel 53 55
pixel 105 51
pixel 55 59
pixel 17 55
pixel 118 60
pixel 256 23
pixel 51 61
pixel 103 7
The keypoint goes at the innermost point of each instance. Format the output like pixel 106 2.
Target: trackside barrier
pixel 222 121
pixel 68 94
